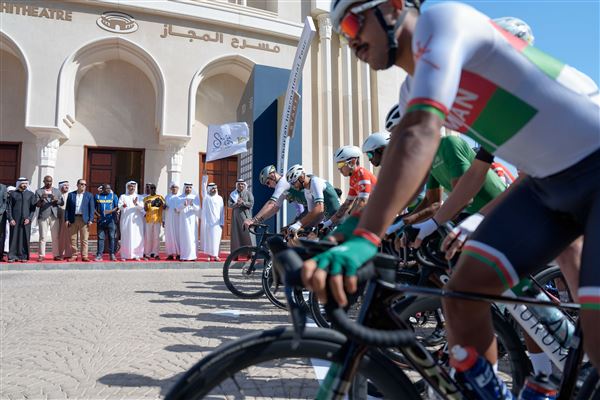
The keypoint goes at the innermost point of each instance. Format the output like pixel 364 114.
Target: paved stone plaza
pixel 115 334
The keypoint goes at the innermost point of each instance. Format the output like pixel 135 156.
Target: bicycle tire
pixel 590 390
pixel 508 338
pixel 268 288
pixel 241 284
pixel 282 344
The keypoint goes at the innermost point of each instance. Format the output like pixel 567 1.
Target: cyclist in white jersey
pixel 272 179
pixel 519 104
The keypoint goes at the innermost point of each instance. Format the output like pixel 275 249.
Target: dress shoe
pixel 73 259
pixel 58 258
pixel 40 258
pixel 85 259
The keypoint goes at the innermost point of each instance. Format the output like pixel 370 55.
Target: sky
pixel 568 30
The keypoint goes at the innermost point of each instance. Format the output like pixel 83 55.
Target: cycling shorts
pixel 538 219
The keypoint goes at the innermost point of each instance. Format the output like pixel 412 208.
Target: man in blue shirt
pixel 106 205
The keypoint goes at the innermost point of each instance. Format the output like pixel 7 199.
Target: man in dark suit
pixel 79 215
pixel 3 205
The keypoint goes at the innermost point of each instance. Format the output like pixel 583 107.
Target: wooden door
pixel 224 173
pixel 10 162
pixel 100 168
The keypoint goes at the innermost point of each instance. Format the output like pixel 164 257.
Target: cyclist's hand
pixel 425 228
pixel 343 231
pixel 456 239
pixel 344 260
pixel 247 224
pixel 295 227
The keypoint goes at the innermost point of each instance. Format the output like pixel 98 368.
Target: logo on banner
pixel 226 140
pixel 117 22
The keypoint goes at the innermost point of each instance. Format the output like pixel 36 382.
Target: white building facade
pixel 109 90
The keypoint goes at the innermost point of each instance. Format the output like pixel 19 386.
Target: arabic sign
pixel 217 37
pixel 226 140
pixel 117 22
pixel 289 111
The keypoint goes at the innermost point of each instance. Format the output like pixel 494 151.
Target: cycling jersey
pixel 516 101
pixel 453 158
pixel 296 197
pixel 321 191
pixel 361 183
pixel 279 194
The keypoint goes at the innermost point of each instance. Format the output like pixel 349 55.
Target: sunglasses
pixel 370 154
pixel 341 164
pixel 352 22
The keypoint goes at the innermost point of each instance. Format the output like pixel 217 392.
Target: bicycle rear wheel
pixel 275 364
pixel 243 270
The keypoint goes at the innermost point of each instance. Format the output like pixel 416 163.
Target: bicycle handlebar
pixel 252 228
pixel 382 267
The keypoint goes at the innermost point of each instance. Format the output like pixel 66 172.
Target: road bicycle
pixel 305 362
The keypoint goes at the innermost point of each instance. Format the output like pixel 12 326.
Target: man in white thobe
pixel 171 222
pixel 188 208
pixel 213 219
pixel 132 223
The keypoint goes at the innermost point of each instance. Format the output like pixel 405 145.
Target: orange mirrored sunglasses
pixel 351 23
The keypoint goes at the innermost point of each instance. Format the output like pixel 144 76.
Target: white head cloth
pixel 135 192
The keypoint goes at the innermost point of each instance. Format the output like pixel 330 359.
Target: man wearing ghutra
pixel 64 246
pixel 171 222
pixel 3 205
pixel 241 201
pixel 132 223
pixel 212 220
pixel 188 208
pixel 20 210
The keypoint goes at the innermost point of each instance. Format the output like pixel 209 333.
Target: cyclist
pixel 272 179
pixel 465 70
pixel 323 202
pixel 347 159
pixel 374 145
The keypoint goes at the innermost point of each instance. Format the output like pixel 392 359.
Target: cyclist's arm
pixel 463 190
pixel 267 211
pixel 358 205
pixel 406 162
pixel 426 208
pixel 342 211
pixel 314 216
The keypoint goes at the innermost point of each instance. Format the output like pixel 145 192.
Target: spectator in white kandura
pixel 188 208
pixel 171 222
pixel 132 223
pixel 213 219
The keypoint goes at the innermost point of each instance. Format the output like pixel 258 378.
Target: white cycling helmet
pixel 375 141
pixel 516 27
pixel 264 173
pixel 393 118
pixel 294 173
pixel 339 8
pixel 345 153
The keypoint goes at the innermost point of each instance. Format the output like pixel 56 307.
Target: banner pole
pixel 289 111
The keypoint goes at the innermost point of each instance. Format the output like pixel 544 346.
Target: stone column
pixel 365 74
pixel 47 153
pixel 325 113
pixel 174 163
pixel 347 117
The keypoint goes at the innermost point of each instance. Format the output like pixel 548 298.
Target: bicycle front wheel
pixel 275 293
pixel 275 364
pixel 243 270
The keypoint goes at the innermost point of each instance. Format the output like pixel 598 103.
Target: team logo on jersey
pixel 423 50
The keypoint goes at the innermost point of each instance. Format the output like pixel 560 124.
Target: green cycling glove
pixel 347 257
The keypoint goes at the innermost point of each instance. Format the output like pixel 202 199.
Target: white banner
pixel 226 140
pixel 289 111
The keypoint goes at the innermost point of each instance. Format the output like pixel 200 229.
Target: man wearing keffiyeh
pixel 21 207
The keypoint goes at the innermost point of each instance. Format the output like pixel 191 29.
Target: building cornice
pixel 221 14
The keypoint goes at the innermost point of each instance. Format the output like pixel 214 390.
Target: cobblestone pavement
pixel 115 334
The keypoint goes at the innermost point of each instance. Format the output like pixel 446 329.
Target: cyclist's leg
pixel 518 236
pixel 589 289
pixel 569 262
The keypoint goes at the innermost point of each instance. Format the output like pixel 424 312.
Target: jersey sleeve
pixel 457 155
pixel 280 190
pixel 365 184
pixel 443 41
pixel 317 189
